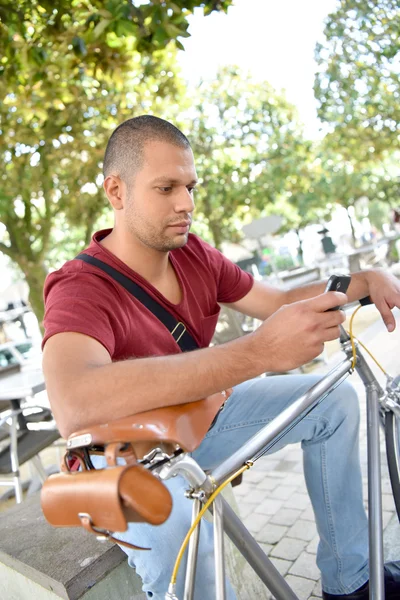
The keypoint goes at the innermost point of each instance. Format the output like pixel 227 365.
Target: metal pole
pixel 14 458
pixel 219 549
pixel 254 555
pixel 376 561
pixel 192 554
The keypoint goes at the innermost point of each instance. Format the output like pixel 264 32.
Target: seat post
pixel 219 556
pixel 192 553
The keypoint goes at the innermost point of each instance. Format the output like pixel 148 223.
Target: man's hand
pixel 295 334
pixel 384 291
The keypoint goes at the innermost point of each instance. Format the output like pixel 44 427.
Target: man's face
pixel 159 202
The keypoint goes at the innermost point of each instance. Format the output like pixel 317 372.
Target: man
pixel 106 356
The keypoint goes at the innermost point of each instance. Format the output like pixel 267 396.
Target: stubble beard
pixel 155 239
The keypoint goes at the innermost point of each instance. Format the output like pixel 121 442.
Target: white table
pixel 22 384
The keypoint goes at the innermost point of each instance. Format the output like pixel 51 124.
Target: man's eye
pixel 165 189
pixel 191 189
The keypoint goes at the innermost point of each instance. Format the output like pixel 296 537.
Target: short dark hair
pixel 125 149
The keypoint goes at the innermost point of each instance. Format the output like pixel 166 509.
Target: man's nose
pixel 184 201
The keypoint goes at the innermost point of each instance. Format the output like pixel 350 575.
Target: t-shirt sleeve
pixel 81 303
pixel 232 282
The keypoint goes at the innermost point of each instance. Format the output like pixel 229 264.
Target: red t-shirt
pixel 81 298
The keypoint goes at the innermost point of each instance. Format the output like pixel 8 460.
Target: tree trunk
pixel 300 247
pixel 35 274
pixel 216 233
pixel 353 232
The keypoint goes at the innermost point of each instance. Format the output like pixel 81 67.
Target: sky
pixel 273 39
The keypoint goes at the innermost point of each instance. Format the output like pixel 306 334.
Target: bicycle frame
pixel 226 520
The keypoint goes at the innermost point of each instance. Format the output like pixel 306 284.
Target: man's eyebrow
pixel 171 181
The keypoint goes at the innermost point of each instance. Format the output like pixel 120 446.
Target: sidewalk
pixel 273 499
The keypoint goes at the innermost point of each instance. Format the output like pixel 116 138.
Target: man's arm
pixel 85 387
pixel 384 290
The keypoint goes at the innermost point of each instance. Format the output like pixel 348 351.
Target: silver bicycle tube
pixel 284 420
pixel 192 554
pixel 376 560
pixel 255 556
pixel 219 556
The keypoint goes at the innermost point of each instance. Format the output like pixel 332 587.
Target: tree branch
pixel 7 250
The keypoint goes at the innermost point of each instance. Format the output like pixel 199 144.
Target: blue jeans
pixel 329 439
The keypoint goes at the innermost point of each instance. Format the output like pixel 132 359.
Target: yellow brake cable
pixel 353 345
pixel 197 520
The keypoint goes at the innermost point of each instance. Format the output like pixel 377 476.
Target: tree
pixel 358 79
pixel 345 182
pixel 66 78
pixel 302 203
pixel 247 142
pixel 96 34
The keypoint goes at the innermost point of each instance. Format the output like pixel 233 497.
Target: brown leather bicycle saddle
pixel 183 425
pixel 106 500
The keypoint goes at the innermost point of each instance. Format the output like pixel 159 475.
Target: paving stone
pixel 243 489
pixel 283 566
pixel 298 468
pixel 303 530
pixel 271 534
pixel 288 548
pixel 255 496
pixel 296 480
pixel 305 566
pixel 287 466
pixel 302 587
pixel 286 516
pixel 269 483
pixel 308 514
pixel 283 492
pixel 386 517
pixel 255 522
pixel 267 464
pixel 294 452
pixel 386 487
pixel 297 501
pixel 246 509
pixel 317 591
pixel 313 545
pixel 266 548
pixel 254 475
pixel 269 507
pixel 387 502
pixel 279 474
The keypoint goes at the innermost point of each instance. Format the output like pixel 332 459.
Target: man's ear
pixel 115 190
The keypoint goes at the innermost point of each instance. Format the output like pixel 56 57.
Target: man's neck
pixel 151 264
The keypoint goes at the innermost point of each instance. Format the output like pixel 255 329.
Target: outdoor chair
pixel 19 443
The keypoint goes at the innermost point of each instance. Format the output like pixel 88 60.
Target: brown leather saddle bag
pixel 105 500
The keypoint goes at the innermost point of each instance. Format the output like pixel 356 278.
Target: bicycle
pixel 383 408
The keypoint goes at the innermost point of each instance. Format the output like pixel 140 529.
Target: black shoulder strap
pixel 177 328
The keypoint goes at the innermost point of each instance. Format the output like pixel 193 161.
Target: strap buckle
pixel 177 329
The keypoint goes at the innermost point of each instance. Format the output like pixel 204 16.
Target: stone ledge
pixel 68 562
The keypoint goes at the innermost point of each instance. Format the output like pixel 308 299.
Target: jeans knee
pixel 347 404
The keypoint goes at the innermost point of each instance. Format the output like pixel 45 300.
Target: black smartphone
pixel 337 283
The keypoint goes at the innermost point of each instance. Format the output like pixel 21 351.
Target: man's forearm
pixel 358 289
pixel 142 384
